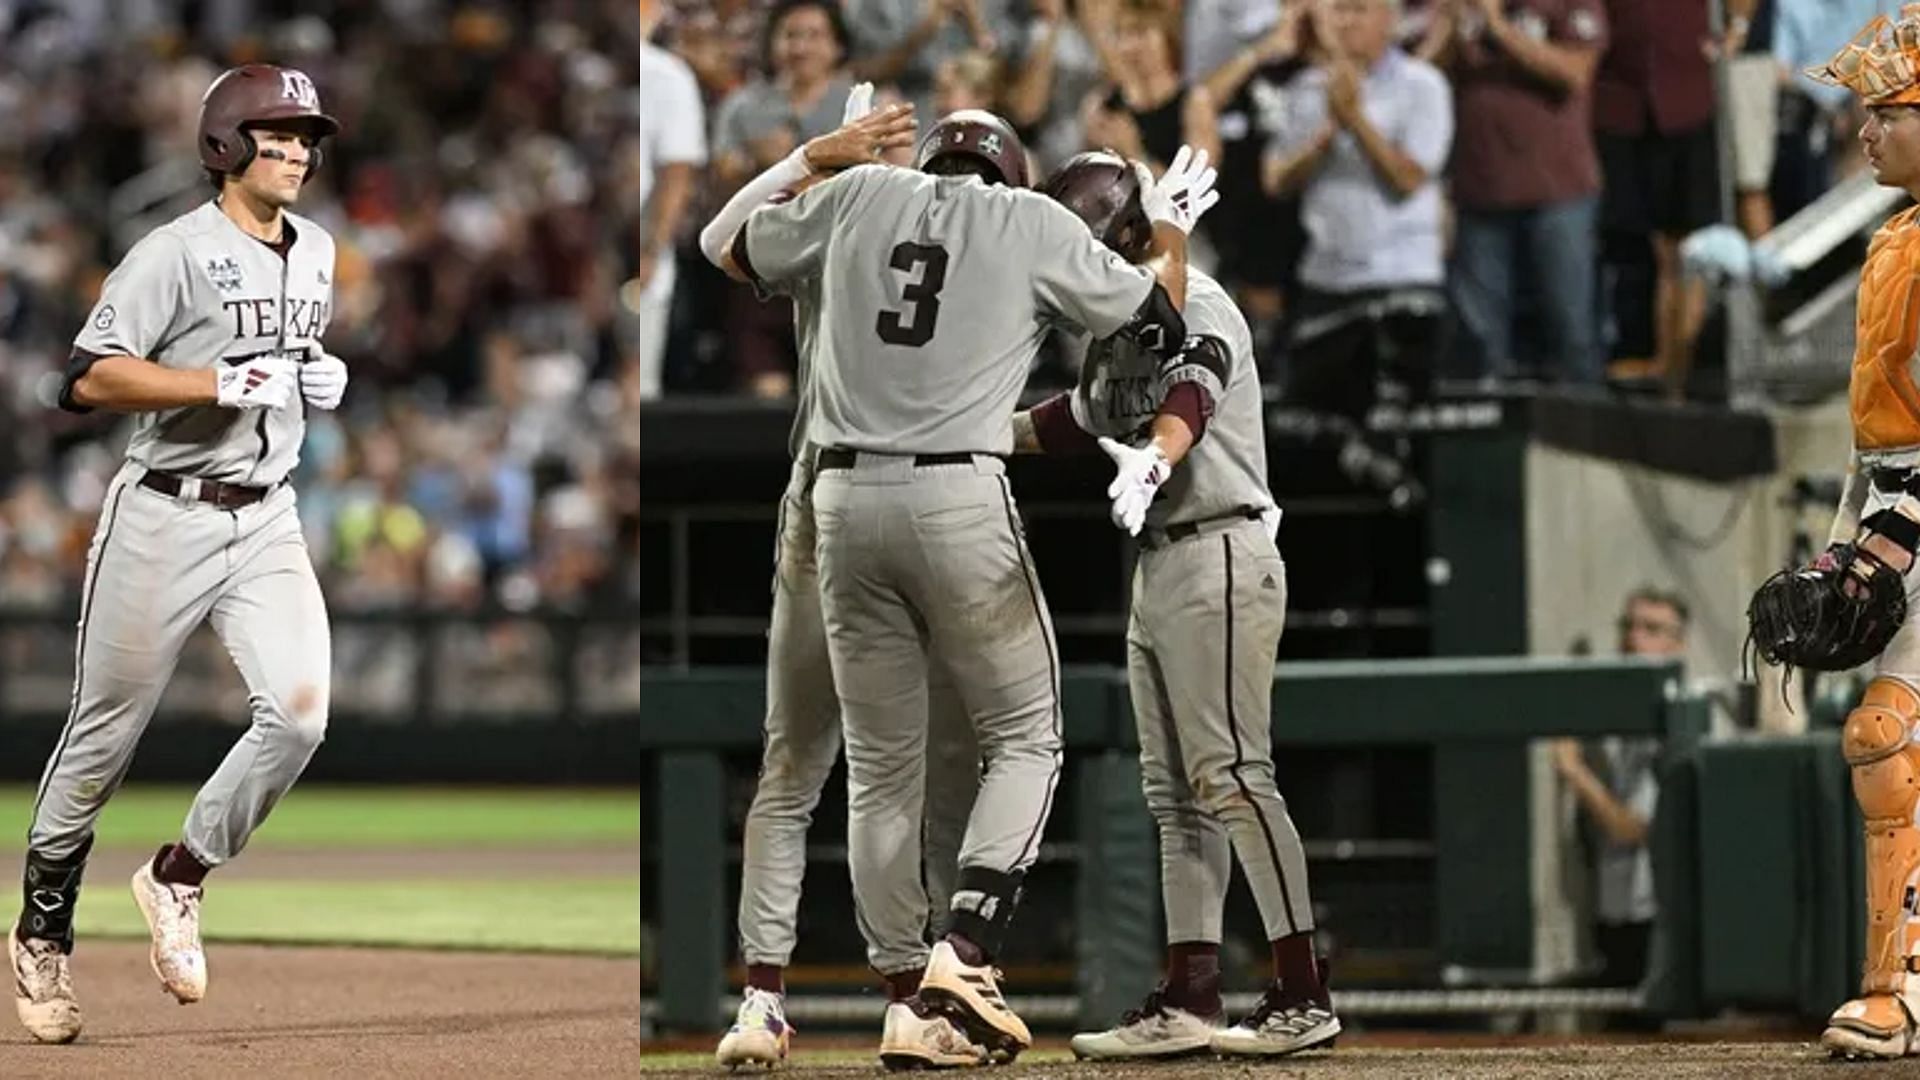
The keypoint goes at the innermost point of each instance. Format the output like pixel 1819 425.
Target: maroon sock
pixel 768 977
pixel 1193 977
pixel 902 985
pixel 173 864
pixel 1295 968
pixel 970 954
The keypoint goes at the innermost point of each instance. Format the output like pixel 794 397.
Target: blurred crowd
pixel 1487 190
pixel 485 192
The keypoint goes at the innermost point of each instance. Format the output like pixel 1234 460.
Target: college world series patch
pixel 225 273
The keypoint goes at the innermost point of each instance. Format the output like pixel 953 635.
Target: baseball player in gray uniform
pixel 803 713
pixel 938 286
pixel 1209 597
pixel 208 333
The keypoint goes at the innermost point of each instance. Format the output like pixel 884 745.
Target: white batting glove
pixel 1138 475
pixel 859 103
pixel 1129 509
pixel 268 382
pixel 1181 196
pixel 323 382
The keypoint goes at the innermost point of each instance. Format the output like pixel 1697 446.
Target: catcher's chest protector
pixel 1884 398
pixel 1878 741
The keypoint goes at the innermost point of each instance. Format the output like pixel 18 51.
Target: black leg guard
pixel 983 905
pixel 50 890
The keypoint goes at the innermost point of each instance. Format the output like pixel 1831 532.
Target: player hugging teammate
pixel 921 298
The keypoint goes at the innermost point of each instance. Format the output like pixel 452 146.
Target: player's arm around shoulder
pixel 113 363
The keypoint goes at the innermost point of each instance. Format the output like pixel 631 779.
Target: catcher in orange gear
pixel 1879 515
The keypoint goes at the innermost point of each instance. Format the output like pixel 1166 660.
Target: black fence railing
pixel 417 694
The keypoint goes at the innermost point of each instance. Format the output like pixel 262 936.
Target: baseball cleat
pixel 1877 1026
pixel 172 912
pixel 974 996
pixel 1276 1028
pixel 918 1036
pixel 1155 1030
pixel 43 989
pixel 760 1033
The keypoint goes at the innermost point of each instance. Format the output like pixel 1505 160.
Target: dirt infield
pixel 1744 1061
pixel 299 1012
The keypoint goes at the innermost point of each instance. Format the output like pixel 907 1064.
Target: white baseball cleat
pixel 919 1037
pixel 1275 1029
pixel 43 989
pixel 1154 1030
pixel 975 997
pixel 760 1032
pixel 173 918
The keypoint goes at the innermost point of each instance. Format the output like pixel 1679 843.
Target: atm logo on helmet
pixel 297 88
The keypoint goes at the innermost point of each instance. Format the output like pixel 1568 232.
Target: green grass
pixel 595 915
pixel 377 817
pixel 588 914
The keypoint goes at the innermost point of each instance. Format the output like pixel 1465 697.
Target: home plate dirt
pixel 284 1012
pixel 1370 1061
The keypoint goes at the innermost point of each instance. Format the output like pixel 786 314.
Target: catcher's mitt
pixel 1805 617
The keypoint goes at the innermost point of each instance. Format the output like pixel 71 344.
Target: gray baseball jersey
pixel 198 292
pixel 936 292
pixel 1122 384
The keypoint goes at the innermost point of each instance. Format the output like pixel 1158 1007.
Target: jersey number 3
pixel 924 295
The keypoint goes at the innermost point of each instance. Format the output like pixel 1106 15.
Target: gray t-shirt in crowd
pixel 761 108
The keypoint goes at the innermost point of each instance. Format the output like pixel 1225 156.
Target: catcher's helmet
pixel 253 96
pixel 1102 189
pixel 976 134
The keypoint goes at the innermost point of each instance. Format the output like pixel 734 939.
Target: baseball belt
pixel 1187 530
pixel 224 496
pixel 839 457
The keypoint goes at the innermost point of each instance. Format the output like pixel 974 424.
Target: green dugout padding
pixel 1476 714
pixel 1780 909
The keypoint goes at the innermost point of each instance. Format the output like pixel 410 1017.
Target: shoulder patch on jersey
pixel 103 319
pixel 225 273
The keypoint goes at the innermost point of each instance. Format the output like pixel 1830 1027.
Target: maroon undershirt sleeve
pixel 1192 404
pixel 1056 429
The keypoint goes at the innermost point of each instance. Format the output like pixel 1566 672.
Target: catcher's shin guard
pixel 1879 744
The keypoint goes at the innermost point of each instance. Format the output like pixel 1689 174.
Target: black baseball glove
pixel 1835 615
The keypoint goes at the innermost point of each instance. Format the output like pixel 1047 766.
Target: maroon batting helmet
pixel 257 95
pixel 979 136
pixel 1102 189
